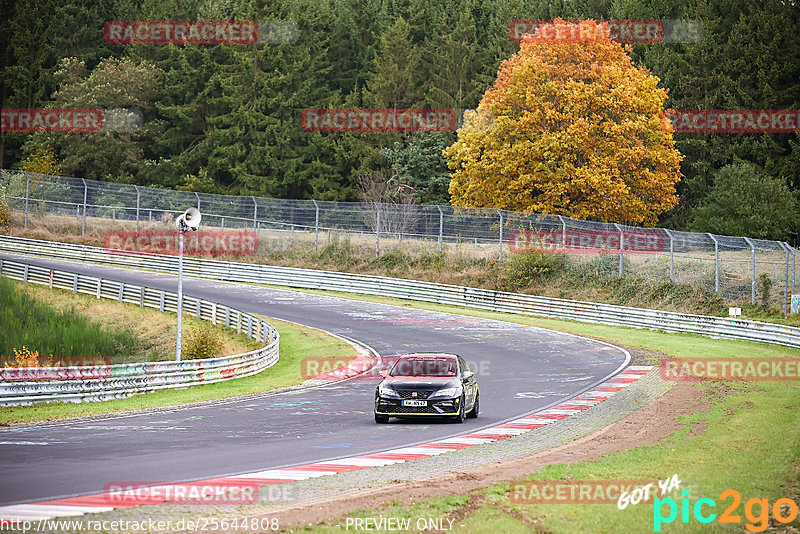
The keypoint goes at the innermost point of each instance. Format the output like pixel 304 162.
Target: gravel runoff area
pixel 284 499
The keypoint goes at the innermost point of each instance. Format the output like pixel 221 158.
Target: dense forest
pixel 225 118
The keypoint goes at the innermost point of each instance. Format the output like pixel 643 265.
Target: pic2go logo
pixel 783 510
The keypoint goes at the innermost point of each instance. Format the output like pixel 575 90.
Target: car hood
pixel 403 383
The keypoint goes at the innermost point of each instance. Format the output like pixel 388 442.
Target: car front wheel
pixel 461 413
pixel 473 413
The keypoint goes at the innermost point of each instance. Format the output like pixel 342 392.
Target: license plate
pixel 414 403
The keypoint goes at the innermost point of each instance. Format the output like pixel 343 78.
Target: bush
pixel 764 288
pixel 202 342
pixel 744 200
pixel 608 265
pixel 392 260
pixel 523 270
pixel 5 214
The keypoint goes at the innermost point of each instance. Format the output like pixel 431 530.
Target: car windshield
pixel 424 367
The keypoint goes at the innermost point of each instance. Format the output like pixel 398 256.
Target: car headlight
pixel 383 391
pixel 446 392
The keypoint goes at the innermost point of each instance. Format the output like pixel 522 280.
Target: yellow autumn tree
pixel 570 127
pixel 42 161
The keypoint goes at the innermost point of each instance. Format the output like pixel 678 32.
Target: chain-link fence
pixel 739 269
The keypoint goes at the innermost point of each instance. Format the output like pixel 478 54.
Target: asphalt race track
pixel 520 370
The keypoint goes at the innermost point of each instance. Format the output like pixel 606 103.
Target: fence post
pixel 500 254
pixel 621 248
pixel 198 200
pixel 137 206
pixel 441 228
pixel 794 270
pixel 85 196
pixel 716 262
pixel 27 195
pixel 255 214
pixel 316 225
pixel 377 229
pixel 671 256
pixel 563 239
pixel 785 247
pixel 753 268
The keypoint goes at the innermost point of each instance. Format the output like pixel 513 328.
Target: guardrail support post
pixel 753 269
pixel 316 225
pixel 716 262
pixel 500 254
pixel 137 206
pixel 27 195
pixel 85 197
pixel 441 228
pixel 377 229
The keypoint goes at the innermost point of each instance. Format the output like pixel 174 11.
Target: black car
pixel 439 385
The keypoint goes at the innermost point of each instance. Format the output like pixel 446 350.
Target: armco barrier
pixel 97 383
pixel 718 327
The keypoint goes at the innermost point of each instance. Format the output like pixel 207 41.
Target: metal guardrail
pixel 717 327
pixel 105 382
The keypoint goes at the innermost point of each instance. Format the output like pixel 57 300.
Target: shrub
pixel 523 270
pixel 5 214
pixel 205 341
pixel 24 357
pixel 764 288
pixel 608 265
pixel 392 260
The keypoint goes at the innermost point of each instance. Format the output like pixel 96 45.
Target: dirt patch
pixel 646 426
pixel 698 428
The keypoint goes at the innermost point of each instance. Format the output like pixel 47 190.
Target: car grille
pixel 414 409
pixel 420 394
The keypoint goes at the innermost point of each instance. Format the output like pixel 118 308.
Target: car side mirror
pixel 383 373
pixel 468 375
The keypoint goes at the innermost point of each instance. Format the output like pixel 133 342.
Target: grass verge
pixel 27 320
pixel 297 342
pixel 58 323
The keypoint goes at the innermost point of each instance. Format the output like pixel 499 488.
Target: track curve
pixel 520 370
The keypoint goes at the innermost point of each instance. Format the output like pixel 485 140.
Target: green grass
pixel 30 322
pixel 297 342
pixel 751 444
pixel 437 508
